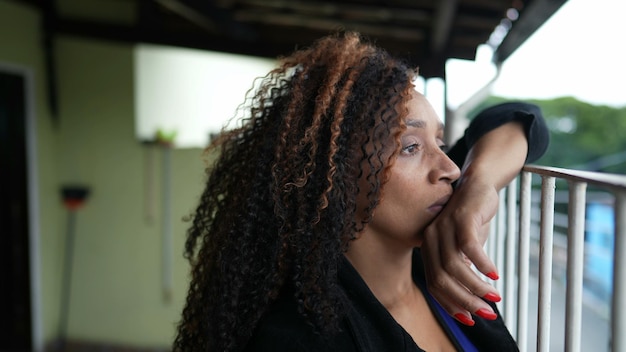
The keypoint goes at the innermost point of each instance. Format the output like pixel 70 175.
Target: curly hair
pixel 280 203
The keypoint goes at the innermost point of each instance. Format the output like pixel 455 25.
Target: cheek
pixel 406 200
pixel 405 191
pixel 402 205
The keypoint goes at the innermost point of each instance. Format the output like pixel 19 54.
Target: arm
pixel 457 235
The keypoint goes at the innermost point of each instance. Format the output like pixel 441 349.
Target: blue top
pixel 465 343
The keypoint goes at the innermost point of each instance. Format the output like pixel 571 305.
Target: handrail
pixel 577 181
pixel 597 178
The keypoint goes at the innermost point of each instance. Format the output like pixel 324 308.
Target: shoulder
pixel 284 329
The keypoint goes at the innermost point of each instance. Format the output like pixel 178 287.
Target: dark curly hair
pixel 280 203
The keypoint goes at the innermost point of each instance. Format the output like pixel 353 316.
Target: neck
pixel 386 269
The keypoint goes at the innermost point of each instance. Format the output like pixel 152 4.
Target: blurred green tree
pixel 583 136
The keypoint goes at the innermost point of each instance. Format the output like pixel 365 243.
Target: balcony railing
pixel 513 232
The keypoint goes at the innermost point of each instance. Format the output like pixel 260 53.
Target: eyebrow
pixel 421 124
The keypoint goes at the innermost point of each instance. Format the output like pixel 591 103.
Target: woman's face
pixel 420 180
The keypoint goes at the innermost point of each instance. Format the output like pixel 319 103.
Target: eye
pixel 411 148
pixel 442 145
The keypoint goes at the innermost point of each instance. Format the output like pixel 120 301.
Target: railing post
pixel 545 263
pixel 575 261
pixel 578 181
pixel 618 311
pixel 500 240
pixel 523 261
pixel 511 229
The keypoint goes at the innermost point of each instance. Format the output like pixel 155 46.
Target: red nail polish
pixel 493 297
pixel 486 313
pixel 493 275
pixel 464 319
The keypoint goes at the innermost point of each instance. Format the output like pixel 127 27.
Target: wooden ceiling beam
pixel 205 15
pixel 426 32
pixel 330 25
pixel 492 5
pixel 366 13
pixel 190 15
pixel 442 25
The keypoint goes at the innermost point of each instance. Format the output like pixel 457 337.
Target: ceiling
pixel 425 32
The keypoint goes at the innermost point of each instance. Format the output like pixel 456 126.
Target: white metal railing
pixel 510 245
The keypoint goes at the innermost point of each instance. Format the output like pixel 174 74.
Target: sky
pixel 580 52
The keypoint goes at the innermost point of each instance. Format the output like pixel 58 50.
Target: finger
pixel 458 301
pixel 438 282
pixel 453 282
pixel 460 272
pixel 455 265
pixel 448 277
pixel 475 252
pixel 455 262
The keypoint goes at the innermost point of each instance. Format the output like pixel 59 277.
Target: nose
pixel 445 169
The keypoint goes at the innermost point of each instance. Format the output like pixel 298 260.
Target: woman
pixel 308 233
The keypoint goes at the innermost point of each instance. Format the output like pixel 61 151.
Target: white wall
pixel 190 92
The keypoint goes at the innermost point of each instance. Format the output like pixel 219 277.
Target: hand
pixel 452 243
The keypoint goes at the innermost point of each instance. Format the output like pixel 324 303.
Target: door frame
pixel 33 201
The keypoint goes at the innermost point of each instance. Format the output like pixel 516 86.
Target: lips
pixel 439 204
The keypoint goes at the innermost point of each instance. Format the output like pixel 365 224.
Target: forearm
pixel 497 157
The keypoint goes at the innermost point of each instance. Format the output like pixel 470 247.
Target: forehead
pixel 423 124
pixel 421 114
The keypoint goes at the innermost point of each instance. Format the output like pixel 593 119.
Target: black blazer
pixel 367 326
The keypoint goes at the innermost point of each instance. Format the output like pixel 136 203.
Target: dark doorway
pixel 15 309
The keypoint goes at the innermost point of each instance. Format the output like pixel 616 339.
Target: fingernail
pixel 493 275
pixel 464 319
pixel 486 313
pixel 493 297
